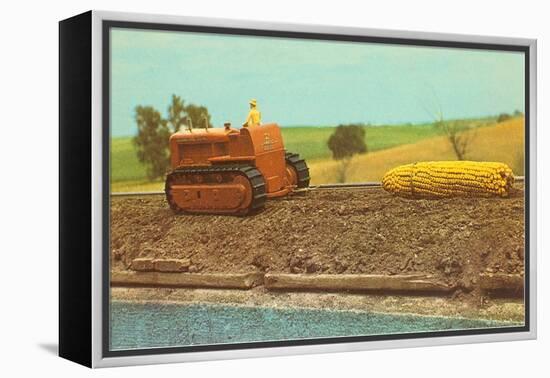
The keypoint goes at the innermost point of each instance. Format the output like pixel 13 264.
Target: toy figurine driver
pixel 254 116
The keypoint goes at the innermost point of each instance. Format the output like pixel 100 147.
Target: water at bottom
pixel 149 325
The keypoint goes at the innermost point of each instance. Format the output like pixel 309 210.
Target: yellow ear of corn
pixel 439 179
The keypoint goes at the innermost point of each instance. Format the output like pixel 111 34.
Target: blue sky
pixel 305 82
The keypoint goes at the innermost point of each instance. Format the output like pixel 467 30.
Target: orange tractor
pixel 230 171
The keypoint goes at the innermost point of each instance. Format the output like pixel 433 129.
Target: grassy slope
pixel 503 142
pixel 311 142
pixel 124 163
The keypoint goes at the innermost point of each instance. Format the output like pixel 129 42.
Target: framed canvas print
pixel 236 188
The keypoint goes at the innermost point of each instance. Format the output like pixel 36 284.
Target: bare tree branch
pixel 459 136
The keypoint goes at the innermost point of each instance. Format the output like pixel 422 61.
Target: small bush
pixel 503 117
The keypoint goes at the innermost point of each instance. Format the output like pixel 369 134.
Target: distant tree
pixel 346 141
pixel 459 135
pixel 503 117
pixel 518 113
pixel 154 132
pixel 196 116
pixel 152 141
pixel 199 115
pixel 176 113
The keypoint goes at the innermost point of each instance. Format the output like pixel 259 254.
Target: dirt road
pixel 332 231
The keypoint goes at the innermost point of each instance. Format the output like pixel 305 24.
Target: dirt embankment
pixel 338 231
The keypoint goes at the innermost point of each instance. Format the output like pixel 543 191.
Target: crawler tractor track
pixel 301 168
pixel 363 185
pixel 220 176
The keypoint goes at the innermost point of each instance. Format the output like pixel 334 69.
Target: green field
pixel 125 165
pixel 310 142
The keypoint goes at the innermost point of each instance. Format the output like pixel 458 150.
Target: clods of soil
pixel 332 231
